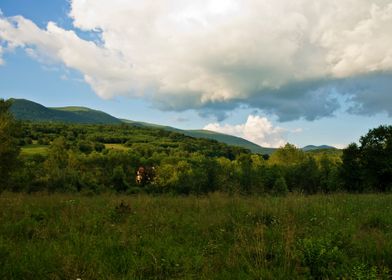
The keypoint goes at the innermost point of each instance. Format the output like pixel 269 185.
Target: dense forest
pixel 88 158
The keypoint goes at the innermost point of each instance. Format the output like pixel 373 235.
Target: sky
pixel 303 72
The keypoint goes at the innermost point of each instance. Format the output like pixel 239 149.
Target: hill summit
pixel 28 110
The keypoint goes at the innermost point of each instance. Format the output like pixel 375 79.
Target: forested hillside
pixel 27 110
pixel 100 158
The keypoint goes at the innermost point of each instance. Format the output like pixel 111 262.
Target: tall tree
pixel 287 155
pixel 9 149
pixel 56 166
pixel 369 166
pixel 376 155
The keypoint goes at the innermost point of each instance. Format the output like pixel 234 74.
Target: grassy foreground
pixel 215 237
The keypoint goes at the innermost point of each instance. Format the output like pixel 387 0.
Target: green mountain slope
pixel 27 110
pixel 207 134
pixel 229 139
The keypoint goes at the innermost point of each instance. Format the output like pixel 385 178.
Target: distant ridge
pixel 313 148
pixel 28 110
pixel 229 139
pixel 220 137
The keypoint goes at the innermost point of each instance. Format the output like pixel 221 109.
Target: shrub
pixel 280 187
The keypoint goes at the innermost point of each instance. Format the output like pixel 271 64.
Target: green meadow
pixel 61 236
pixel 119 147
pixel 34 149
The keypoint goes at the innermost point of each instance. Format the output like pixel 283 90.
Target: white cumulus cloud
pixel 257 129
pixel 191 54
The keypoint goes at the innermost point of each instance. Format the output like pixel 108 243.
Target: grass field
pixel 120 147
pixel 214 237
pixel 34 149
pixel 43 149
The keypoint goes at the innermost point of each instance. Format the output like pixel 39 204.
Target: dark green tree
pixel 329 174
pixel 287 155
pixel 56 167
pixel 280 186
pixel 351 171
pixel 309 176
pixel 9 149
pixel 245 164
pixel 376 158
pixel 118 179
pixel 369 166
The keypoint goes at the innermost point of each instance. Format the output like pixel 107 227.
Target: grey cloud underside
pixel 370 94
pixel 186 101
pixel 361 95
pixel 310 100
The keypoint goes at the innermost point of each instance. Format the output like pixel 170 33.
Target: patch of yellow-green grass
pixel 35 149
pixel 73 109
pixel 116 147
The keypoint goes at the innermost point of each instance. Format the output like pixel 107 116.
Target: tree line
pixel 79 159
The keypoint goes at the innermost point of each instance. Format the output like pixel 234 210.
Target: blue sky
pixel 212 64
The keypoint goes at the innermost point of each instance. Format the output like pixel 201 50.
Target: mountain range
pixel 309 148
pixel 23 109
pixel 28 110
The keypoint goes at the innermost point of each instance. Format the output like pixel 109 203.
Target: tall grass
pixel 212 237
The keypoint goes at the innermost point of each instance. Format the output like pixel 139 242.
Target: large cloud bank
pixel 289 58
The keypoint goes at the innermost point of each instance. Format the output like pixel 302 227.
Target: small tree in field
pixel 56 166
pixel 9 149
pixel 280 186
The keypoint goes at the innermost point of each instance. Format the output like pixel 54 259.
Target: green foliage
pixel 228 139
pixel 57 172
pixel 119 179
pixel 96 158
pixel 351 168
pixel 329 174
pixel 366 272
pixel 376 157
pixel 181 178
pixel 304 172
pixel 322 257
pixel 227 178
pixel 9 149
pixel 86 147
pixel 369 166
pixel 287 155
pixel 308 174
pixel 280 187
pixel 245 172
